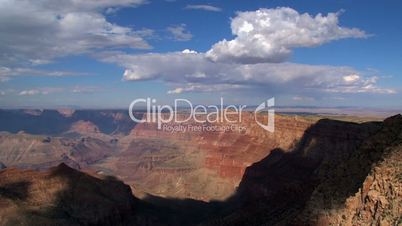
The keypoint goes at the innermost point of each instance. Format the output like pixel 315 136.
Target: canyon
pixel 310 171
pixel 203 165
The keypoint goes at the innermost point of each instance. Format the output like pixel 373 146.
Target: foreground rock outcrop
pixel 63 196
pixel 365 188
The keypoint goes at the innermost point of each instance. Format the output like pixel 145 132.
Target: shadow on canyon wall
pixel 333 158
pixel 15 191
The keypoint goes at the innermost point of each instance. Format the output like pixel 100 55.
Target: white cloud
pixel 204 7
pixel 179 32
pixel 254 60
pixel 43 91
pixel 53 90
pixel 37 31
pixel 351 78
pixel 189 51
pixel 194 72
pixel 355 84
pixel 269 35
pixel 30 92
pixel 6 73
pixel 92 4
pixel 175 91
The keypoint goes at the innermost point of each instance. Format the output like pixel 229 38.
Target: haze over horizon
pixel 104 54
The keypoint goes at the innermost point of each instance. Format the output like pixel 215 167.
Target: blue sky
pixel 104 54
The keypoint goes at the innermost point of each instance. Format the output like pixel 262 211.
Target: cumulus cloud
pixel 192 71
pixel 255 59
pixel 355 84
pixel 189 51
pixel 269 35
pixel 204 7
pixel 179 32
pixel 351 78
pixel 37 31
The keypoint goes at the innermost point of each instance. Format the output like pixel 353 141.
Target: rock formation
pixel 39 152
pixel 63 196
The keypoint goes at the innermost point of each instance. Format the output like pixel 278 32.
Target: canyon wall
pixel 221 155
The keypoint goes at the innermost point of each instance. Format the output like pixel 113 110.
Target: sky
pixel 106 53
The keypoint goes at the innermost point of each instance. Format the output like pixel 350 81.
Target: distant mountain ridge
pixel 53 122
